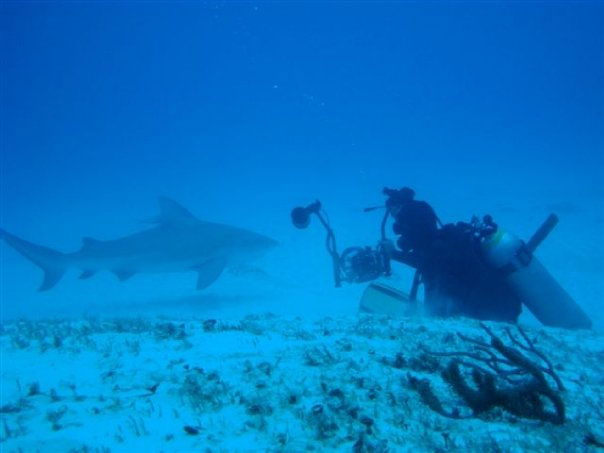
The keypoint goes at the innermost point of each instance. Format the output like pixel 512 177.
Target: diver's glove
pixel 387 247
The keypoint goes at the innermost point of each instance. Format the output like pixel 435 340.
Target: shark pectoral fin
pixel 51 278
pixel 86 274
pixel 123 275
pixel 208 272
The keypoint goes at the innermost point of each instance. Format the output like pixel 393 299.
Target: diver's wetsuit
pixel 457 281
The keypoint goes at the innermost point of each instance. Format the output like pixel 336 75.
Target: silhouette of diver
pixel 448 260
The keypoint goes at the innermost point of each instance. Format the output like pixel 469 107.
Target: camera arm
pixel 301 219
pixel 330 245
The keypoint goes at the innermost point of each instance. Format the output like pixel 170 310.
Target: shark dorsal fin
pixel 88 242
pixel 172 212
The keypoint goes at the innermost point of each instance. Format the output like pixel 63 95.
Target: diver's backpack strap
pixel 521 259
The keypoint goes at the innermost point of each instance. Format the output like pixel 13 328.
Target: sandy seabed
pixel 271 383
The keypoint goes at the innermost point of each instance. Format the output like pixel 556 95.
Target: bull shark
pixel 178 242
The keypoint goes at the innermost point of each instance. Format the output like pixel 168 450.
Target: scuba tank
pixel 533 284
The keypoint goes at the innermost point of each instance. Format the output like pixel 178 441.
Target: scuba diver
pixel 474 269
pixel 457 279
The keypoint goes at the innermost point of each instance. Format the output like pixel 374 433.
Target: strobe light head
pixel 301 215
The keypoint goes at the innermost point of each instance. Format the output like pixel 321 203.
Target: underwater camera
pixel 355 264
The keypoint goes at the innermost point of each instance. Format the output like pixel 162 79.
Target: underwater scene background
pixel 241 111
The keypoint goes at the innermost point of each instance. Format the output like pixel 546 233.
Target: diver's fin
pixel 208 272
pixel 123 275
pixel 86 274
pixel 53 263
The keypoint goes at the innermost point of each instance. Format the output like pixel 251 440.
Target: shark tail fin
pixel 53 263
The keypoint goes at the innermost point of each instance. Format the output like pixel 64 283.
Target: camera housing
pixel 355 264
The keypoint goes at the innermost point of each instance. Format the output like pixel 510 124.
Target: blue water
pixel 243 110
